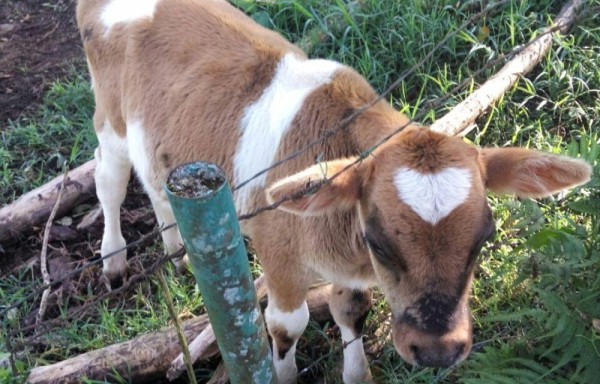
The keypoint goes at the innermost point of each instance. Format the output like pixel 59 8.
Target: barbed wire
pixel 309 189
pixel 314 187
pixel 429 106
pixel 323 138
pixel 344 123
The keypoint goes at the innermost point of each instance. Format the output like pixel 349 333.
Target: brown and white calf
pixel 181 80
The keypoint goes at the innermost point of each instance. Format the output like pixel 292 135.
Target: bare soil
pixel 39 44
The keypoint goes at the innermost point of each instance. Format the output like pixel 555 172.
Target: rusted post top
pixel 203 206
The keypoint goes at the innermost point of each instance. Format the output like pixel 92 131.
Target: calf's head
pixel 421 201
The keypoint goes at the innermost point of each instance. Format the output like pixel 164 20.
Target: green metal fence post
pixel 203 206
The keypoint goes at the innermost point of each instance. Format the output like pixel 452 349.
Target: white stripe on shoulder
pixel 266 121
pixel 120 11
pixel 433 195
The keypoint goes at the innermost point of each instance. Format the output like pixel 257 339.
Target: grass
pixel 538 285
pixel 35 148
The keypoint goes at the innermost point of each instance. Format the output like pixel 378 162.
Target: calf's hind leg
pixel 350 308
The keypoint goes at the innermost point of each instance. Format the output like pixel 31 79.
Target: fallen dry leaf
pixel 6 28
pixel 62 233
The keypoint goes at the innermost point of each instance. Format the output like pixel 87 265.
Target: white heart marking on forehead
pixel 433 195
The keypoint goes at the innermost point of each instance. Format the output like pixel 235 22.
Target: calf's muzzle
pixel 433 349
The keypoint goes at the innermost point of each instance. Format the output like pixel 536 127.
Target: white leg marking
pixel 164 215
pixel 266 121
pixel 433 195
pixel 286 369
pixel 120 11
pixel 294 323
pixel 112 175
pixel 172 240
pixel 136 140
pixel 356 366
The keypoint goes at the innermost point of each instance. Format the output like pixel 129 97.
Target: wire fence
pixel 34 331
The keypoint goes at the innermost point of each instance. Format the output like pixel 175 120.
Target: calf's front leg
pixel 286 316
pixel 350 308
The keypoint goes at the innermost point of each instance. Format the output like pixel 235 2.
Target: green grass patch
pixel 35 148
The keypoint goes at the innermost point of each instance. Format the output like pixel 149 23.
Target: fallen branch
pixel 459 120
pixel 43 254
pixel 34 207
pixel 200 348
pixel 219 376
pixel 142 359
pixel 149 356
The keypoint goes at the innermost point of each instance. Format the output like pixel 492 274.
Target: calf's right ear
pixel 312 191
pixel 529 173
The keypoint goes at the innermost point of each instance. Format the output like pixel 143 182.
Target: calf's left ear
pixel 312 192
pixel 528 173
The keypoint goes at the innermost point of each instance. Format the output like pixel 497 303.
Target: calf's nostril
pixel 415 351
pixel 458 351
pixel 437 356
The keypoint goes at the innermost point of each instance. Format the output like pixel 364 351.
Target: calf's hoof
pixel 365 378
pixel 114 280
pixel 181 264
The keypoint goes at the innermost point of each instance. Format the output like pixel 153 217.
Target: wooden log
pixel 34 207
pixel 142 359
pixel 149 356
pixel 459 120
pixel 219 376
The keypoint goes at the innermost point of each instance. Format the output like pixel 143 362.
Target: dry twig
pixel 43 255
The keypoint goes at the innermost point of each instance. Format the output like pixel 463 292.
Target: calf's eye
pixel 383 257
